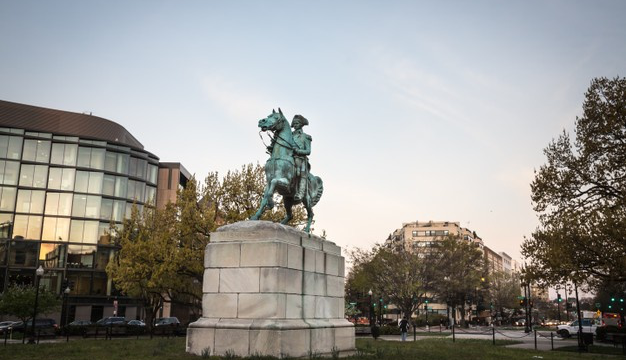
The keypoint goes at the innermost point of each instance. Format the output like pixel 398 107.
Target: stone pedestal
pixel 270 289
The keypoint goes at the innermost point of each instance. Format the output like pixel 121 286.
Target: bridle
pixel 275 139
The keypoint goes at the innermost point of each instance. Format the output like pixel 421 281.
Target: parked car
pixel 168 324
pixel 136 323
pixel 47 326
pixel 136 327
pixel 588 326
pixel 77 327
pixel 6 326
pixel 111 320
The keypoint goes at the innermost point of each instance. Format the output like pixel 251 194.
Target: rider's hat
pixel 302 119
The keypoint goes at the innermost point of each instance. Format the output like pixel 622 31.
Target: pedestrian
pixel 404 327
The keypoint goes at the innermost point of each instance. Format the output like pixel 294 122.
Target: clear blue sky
pixel 418 110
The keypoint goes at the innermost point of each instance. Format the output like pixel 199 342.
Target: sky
pixel 418 110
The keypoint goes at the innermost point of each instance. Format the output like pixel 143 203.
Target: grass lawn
pixel 367 349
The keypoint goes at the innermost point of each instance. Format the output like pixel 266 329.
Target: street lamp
pixel 370 293
pixel 67 312
pixel 39 273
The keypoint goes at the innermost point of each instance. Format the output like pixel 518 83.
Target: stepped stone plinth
pixel 270 289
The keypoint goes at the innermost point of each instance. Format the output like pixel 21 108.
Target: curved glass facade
pixel 58 196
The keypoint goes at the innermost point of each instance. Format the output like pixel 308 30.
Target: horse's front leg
pixel 288 201
pixel 267 196
pixel 309 214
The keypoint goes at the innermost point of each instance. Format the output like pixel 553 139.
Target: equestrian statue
pixel 287 170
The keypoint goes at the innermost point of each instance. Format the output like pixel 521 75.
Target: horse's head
pixel 273 122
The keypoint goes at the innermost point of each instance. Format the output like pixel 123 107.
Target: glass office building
pixel 64 179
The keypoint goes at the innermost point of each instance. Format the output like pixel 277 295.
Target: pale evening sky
pixel 418 110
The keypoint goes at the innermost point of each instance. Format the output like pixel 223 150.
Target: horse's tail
pixel 318 189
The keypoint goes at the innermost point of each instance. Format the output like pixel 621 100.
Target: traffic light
pixel 558 297
pixel 523 301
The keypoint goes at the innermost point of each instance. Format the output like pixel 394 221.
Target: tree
pixel 580 195
pixel 460 268
pixel 162 250
pixel 400 277
pixel 19 301
pixel 143 267
pixel 503 292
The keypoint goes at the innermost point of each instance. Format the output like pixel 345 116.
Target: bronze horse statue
pixel 280 171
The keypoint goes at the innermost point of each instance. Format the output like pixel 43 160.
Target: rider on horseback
pixel 301 152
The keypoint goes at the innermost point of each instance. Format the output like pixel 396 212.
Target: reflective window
pixel 64 154
pixel 52 255
pixel 108 185
pixel 100 285
pixel 81 280
pixel 132 169
pixel 30 201
pixel 103 257
pixel 153 172
pixel 58 204
pixel 104 233
pixel 112 210
pixel 151 194
pixel 84 231
pixel 80 256
pixel 110 161
pixel 34 176
pixel 27 226
pixel 86 206
pixel 91 158
pixel 136 190
pixel 56 229
pixel 5 219
pixel 7 198
pixel 36 150
pixel 23 253
pixel 121 186
pixel 141 168
pixel 122 163
pixel 10 147
pixel 89 182
pixel 8 172
pixel 61 179
pixel 106 210
pixel 51 281
pixel 119 210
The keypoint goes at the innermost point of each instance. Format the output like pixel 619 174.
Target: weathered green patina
pixel 287 169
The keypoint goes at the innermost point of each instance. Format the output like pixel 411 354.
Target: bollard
pixel 535 339
pixel 453 335
pixel 493 330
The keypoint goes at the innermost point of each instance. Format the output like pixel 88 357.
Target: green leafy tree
pixel 19 301
pixel 504 290
pixel 144 266
pixel 402 278
pixel 580 195
pixel 460 270
pixel 162 250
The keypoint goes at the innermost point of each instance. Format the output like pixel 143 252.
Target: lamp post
pixel 66 292
pixel 39 273
pixel 370 293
